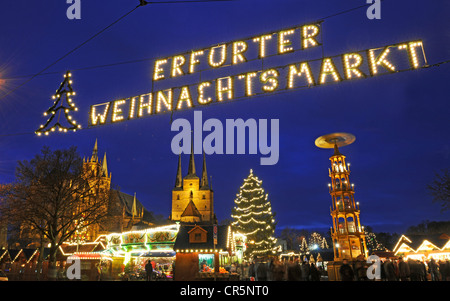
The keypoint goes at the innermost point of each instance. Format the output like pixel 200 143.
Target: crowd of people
pixel 398 270
pixel 275 270
pixel 295 270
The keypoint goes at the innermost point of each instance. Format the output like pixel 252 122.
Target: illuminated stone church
pixel 126 210
pixel 192 196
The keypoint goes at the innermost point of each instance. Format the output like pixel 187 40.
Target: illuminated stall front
pixel 203 252
pixel 130 251
pixel 423 247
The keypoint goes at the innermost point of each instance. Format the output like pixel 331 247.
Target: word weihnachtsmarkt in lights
pixel 387 59
pixel 66 92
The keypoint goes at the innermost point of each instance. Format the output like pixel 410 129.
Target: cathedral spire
pixel 133 209
pixel 204 183
pixel 105 166
pixel 191 171
pixel 95 153
pixel 179 178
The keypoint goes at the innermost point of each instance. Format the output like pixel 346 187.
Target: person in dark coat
pixel 403 270
pixel 294 272
pixel 305 271
pixel 278 270
pixel 423 271
pixel 433 269
pixel 251 271
pixel 414 270
pixel 149 270
pixel 261 271
pixel 314 272
pixel 445 269
pixel 346 271
pixel 383 271
pixel 389 270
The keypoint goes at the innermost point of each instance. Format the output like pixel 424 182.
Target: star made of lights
pixel 62 104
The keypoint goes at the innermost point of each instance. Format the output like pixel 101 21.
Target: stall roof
pixel 69 249
pixel 182 241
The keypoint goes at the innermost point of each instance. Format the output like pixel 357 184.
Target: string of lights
pixel 279 92
pixel 143 60
pixel 66 92
pixel 257 223
pixel 42 72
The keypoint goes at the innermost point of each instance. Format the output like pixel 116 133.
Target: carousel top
pixel 335 139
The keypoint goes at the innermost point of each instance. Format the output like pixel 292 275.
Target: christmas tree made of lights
pixel 252 216
pixel 62 104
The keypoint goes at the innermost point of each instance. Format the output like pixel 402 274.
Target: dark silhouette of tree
pixel 440 189
pixel 51 193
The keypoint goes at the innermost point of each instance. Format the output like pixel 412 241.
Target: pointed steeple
pixel 133 208
pixel 94 157
pixel 104 166
pixel 336 150
pixel 179 178
pixel 204 182
pixel 191 170
pixel 210 183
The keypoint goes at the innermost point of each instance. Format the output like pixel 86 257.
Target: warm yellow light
pixel 117 111
pixel 303 69
pixel 352 61
pixel 164 98
pixel 185 96
pixel 143 104
pixel 248 82
pixel 309 32
pixel 158 72
pixel 177 62
pixel 380 60
pixel 194 61
pixel 262 44
pixel 284 44
pixel 239 48
pixel 224 89
pixel 223 56
pixel 269 77
pixel 97 118
pixel 328 68
pixel 201 99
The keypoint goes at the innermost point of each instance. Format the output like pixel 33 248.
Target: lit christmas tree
pixel 62 104
pixel 324 244
pixel 252 216
pixel 372 242
pixel 315 240
pixel 80 235
pixel 304 250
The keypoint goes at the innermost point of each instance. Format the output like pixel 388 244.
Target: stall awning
pixel 89 256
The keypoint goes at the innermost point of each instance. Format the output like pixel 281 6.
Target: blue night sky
pixel 401 121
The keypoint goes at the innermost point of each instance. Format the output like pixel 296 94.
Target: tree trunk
pixel 39 263
pixel 52 271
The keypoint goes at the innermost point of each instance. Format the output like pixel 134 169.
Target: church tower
pixel 93 164
pixel 347 234
pixel 99 168
pixel 192 197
